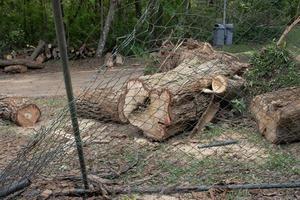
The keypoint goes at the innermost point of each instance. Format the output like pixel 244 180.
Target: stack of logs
pixel 42 53
pixel 187 94
pixel 183 98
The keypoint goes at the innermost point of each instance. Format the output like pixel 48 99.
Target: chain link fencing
pixel 178 118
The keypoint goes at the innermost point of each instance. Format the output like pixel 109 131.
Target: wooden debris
pixel 28 63
pixel 19 110
pixel 277 115
pixel 38 50
pixel 15 69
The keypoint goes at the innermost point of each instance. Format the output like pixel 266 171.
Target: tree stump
pixel 19 111
pixel 277 115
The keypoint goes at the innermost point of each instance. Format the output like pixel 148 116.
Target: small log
pixel 19 111
pixel 41 58
pixel 15 69
pixel 28 63
pixel 226 87
pixel 277 115
pixel 108 60
pixel 38 50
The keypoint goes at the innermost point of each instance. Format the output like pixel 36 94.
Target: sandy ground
pixel 49 81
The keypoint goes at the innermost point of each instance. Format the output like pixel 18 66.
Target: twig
pixel 207 116
pixel 287 30
pixel 218 144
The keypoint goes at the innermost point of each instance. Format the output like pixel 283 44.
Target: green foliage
pixel 271 69
pixel 25 22
pixel 239 105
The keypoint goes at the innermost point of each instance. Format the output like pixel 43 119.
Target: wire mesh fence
pixel 180 117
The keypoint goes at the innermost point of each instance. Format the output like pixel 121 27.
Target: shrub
pixel 272 68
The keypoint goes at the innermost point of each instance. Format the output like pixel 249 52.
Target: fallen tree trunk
pixel 99 104
pixel 15 69
pixel 19 111
pixel 278 115
pixel 168 103
pixel 162 104
pixel 28 63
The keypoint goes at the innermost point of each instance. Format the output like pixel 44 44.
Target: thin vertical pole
pixel 60 33
pixel 224 12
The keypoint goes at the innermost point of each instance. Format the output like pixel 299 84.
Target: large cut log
pixel 19 111
pixel 99 104
pixel 28 63
pixel 167 103
pixel 278 115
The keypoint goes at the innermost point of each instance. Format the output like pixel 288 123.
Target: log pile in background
pixel 278 115
pixel 19 110
pixel 171 102
pixel 33 58
pixel 170 55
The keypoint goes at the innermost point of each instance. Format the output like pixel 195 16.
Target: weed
pixel 271 69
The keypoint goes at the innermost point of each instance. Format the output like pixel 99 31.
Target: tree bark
pixel 28 63
pixel 15 69
pixel 99 104
pixel 277 115
pixel 38 50
pixel 105 31
pixel 19 111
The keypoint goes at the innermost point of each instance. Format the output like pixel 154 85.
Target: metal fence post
pixel 60 32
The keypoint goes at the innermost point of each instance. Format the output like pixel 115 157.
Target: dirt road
pixel 52 84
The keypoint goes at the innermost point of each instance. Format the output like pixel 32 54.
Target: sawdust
pixel 243 150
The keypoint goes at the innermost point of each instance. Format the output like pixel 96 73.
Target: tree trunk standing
pixel 105 31
pixel 278 115
pixel 138 8
pixel 19 111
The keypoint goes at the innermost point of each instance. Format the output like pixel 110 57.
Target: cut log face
pixel 27 115
pixel 278 115
pixel 19 111
pixel 226 87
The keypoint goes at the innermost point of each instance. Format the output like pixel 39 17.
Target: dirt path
pixel 52 84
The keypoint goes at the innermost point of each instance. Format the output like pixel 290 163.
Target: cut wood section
pixel 15 69
pixel 227 87
pixel 278 115
pixel 19 110
pixel 29 63
pixel 167 103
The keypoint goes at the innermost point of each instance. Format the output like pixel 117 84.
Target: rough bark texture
pixel 278 115
pixel 19 111
pixel 100 104
pixel 108 22
pixel 168 103
pixel 38 50
pixel 15 69
pixel 28 63
pixel 227 88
